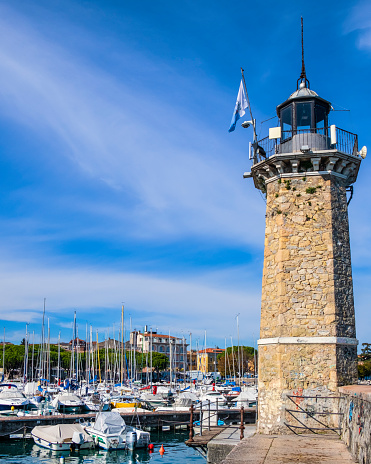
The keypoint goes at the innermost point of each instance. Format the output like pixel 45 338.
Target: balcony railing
pixel 307 139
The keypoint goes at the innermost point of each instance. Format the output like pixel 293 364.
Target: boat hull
pixel 66 446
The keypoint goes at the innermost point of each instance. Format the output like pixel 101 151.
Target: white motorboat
pixel 213 397
pixel 62 437
pixel 94 403
pixel 68 403
pixel 11 399
pixel 247 398
pixel 110 432
pixel 181 403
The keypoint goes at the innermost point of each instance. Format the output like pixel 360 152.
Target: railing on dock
pixel 205 425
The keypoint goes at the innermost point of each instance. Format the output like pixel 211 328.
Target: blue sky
pixel 119 180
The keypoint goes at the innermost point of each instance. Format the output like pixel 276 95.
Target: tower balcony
pixel 326 138
pixel 329 150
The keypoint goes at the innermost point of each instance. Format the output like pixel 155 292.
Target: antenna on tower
pixel 303 76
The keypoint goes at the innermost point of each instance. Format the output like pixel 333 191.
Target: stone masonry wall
pixel 355 407
pixel 307 292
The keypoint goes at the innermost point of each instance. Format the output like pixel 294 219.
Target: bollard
pixel 191 425
pixel 242 427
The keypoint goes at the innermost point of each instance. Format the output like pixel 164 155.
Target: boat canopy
pixel 109 423
pixel 186 399
pixel 61 433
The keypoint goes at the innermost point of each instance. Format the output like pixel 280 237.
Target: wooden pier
pixel 201 441
pixel 11 425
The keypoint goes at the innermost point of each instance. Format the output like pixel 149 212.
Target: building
pixel 307 345
pixel 173 347
pixel 77 345
pixel 192 357
pixel 207 360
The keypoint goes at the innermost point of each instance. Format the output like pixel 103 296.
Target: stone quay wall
pixel 355 407
pixel 307 340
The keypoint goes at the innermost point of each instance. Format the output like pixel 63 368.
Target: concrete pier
pixel 290 449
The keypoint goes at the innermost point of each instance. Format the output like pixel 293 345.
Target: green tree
pixel 366 351
pixel 248 360
pixel 364 369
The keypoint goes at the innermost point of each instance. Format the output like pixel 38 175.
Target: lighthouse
pixel 306 167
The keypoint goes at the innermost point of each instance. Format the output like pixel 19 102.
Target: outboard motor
pixel 77 439
pixel 131 440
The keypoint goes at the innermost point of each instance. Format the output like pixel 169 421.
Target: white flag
pixel 239 110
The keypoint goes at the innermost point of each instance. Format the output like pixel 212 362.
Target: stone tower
pixel 307 345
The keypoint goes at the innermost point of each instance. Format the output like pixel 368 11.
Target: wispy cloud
pixel 174 166
pixel 359 21
pixel 206 301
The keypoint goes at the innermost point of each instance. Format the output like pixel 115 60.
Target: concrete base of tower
pixel 298 383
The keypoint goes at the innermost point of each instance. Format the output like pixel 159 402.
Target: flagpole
pixel 248 101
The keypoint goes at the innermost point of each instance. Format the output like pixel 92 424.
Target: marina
pixel 24 451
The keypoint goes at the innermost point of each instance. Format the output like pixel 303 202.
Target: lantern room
pixel 304 120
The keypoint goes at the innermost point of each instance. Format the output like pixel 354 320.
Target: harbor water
pixel 24 451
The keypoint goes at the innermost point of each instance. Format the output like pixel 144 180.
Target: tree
pixel 159 361
pixel 366 351
pixel 364 369
pixel 231 356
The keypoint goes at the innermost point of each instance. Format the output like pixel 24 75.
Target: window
pixel 286 121
pixel 320 118
pixel 303 116
pixel 161 350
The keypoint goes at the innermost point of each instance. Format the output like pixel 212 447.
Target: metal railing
pixel 310 413
pixel 207 423
pixel 313 139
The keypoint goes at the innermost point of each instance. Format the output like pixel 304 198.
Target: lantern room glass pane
pixel 320 118
pixel 303 116
pixel 286 121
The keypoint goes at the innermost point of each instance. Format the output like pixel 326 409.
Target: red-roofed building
pixel 173 347
pixel 207 360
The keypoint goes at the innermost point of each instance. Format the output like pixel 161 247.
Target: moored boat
pixel 110 432
pixel 11 399
pixel 62 437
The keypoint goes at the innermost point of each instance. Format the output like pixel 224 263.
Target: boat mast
pixel 59 358
pixel 33 353
pixel 225 358
pixel 122 345
pixel 4 356
pixel 49 377
pixel 42 343
pixel 98 359
pixel 151 348
pixel 171 362
pixel 238 351
pixel 234 372
pixel 205 355
pixel 25 356
pixel 190 359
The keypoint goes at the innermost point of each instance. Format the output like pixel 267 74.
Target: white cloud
pixel 174 166
pixel 206 301
pixel 359 20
